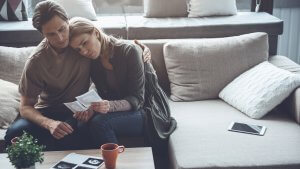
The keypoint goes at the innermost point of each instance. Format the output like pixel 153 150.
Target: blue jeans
pixel 44 136
pixel 105 128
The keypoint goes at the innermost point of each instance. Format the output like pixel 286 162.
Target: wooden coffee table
pixel 131 158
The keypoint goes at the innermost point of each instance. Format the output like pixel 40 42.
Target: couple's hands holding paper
pixel 86 104
pixel 101 107
pixel 84 116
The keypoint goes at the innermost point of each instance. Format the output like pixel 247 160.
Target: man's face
pixel 56 31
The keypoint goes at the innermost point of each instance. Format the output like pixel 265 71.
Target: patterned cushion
pixel 13 10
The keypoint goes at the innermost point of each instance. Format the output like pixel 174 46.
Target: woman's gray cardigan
pixel 128 68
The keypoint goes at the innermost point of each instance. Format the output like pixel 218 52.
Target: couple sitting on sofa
pixel 55 74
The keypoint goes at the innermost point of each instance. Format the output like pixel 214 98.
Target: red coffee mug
pixel 110 152
pixel 14 140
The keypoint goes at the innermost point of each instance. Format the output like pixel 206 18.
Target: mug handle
pixel 121 149
pixel 14 140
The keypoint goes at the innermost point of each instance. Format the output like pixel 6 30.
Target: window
pixel 105 6
pixel 126 6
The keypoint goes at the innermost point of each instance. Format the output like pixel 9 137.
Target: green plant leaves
pixel 25 152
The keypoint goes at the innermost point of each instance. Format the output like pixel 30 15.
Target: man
pixel 53 74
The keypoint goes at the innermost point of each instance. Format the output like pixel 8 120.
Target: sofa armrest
pixel 292 103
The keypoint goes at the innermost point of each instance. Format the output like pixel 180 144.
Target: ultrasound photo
pixel 93 162
pixel 82 167
pixel 64 165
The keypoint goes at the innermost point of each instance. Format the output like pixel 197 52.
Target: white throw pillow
pixel 260 89
pixel 201 8
pixel 9 103
pixel 81 8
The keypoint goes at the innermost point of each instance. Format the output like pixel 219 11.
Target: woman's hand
pixel 146 51
pixel 101 107
pixel 84 116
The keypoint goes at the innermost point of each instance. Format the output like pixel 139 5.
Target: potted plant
pixel 25 152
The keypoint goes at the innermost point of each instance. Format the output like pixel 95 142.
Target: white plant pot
pixel 32 167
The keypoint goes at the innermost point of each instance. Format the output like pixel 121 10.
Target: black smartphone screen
pixel 247 128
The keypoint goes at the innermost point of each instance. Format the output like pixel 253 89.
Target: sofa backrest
pixel 135 26
pixel 12 61
pixel 158 61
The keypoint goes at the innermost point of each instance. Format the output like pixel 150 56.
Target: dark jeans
pixel 44 136
pixel 105 128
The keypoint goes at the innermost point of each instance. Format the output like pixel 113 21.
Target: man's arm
pixel 58 129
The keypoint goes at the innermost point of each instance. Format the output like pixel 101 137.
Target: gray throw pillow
pixel 12 62
pixel 200 69
pixel 9 103
pixel 165 8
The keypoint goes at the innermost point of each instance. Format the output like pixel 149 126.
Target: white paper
pixel 79 161
pixel 87 98
pixel 75 106
pixel 83 101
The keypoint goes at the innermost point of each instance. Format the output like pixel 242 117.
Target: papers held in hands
pixel 83 101
pixel 78 161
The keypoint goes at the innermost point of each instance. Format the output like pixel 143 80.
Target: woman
pixel 118 74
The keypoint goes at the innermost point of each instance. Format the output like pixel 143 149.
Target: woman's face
pixel 87 45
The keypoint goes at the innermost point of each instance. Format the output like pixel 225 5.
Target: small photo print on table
pixel 93 161
pixel 82 167
pixel 78 161
pixel 64 165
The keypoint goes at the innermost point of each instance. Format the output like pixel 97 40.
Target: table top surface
pixel 131 158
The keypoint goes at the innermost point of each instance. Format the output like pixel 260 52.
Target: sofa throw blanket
pixel 159 124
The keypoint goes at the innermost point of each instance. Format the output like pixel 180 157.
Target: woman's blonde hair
pixel 79 25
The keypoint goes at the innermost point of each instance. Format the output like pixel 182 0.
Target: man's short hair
pixel 45 11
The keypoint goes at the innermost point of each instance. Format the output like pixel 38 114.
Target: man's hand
pixel 146 51
pixel 59 129
pixel 102 106
pixel 84 116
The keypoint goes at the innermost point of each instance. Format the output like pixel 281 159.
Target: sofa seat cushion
pixel 201 139
pixel 218 26
pixel 20 33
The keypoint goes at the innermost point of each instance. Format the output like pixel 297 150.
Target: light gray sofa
pixel 201 139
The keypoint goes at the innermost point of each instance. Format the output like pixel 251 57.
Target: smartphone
pixel 247 128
